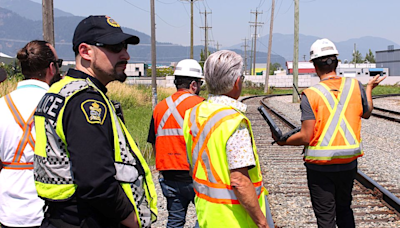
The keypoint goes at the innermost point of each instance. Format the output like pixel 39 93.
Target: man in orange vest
pixel 166 137
pixel 330 131
pixel 20 205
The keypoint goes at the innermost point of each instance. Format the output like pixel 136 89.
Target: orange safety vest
pixel 26 138
pixel 338 109
pixel 168 121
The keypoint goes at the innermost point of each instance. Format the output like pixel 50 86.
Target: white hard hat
pixel 189 68
pixel 322 47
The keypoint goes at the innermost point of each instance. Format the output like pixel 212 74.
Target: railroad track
pixel 386 114
pixel 285 178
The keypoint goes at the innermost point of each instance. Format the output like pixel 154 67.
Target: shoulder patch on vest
pixel 95 111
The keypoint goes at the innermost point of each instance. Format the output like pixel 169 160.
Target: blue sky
pixel 337 20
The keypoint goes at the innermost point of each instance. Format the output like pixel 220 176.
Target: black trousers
pixel 331 197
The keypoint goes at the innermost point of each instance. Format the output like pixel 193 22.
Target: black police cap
pixel 101 29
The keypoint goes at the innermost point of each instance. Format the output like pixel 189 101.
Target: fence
pixel 281 81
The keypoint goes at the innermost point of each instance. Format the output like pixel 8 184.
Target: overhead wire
pixel 155 15
pixel 167 3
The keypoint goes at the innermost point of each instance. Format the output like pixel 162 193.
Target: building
pixel 343 69
pixel 136 69
pixel 304 67
pixel 132 69
pixel 389 59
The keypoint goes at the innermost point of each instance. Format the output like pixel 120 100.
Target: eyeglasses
pixel 199 82
pixel 242 77
pixel 59 62
pixel 115 48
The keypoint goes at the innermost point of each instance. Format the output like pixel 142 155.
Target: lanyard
pixel 30 86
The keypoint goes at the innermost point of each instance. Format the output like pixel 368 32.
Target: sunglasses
pixel 59 62
pixel 200 82
pixel 242 77
pixel 115 48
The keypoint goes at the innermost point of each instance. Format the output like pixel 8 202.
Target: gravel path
pixel 162 218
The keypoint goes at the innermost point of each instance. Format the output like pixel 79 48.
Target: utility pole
pixel 206 32
pixel 218 45
pixel 245 54
pixel 296 52
pixel 153 55
pixel 191 26
pixel 271 28
pixel 251 56
pixel 355 55
pixel 48 21
pixel 255 24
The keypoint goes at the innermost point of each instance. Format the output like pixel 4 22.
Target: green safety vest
pixel 207 128
pixel 53 175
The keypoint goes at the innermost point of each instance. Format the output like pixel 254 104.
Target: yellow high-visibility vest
pixel 53 175
pixel 207 128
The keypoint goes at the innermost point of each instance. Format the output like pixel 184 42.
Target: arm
pixel 246 194
pixel 370 86
pixel 240 157
pixel 302 137
pixel 151 136
pixel 131 221
pixel 91 149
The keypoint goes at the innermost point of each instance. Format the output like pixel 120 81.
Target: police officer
pixel 166 137
pixel 330 130
pixel 19 204
pixel 87 166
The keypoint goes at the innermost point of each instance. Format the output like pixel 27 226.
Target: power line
pixel 155 14
pixel 207 4
pixel 136 6
pixel 167 3
pixel 260 4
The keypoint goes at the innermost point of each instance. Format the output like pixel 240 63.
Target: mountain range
pixel 20 22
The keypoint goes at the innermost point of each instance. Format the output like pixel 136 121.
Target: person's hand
pixel 374 82
pixel 281 143
pixel 131 221
pixel 273 136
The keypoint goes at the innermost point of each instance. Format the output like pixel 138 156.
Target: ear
pixel 237 83
pixel 193 86
pixel 86 51
pixel 50 72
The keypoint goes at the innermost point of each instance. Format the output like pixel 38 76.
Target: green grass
pixel 137 120
pixel 386 89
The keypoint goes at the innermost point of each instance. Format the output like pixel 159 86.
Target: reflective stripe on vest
pixel 212 189
pixel 24 140
pixel 200 140
pixel 172 109
pixel 337 107
pixel 221 194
